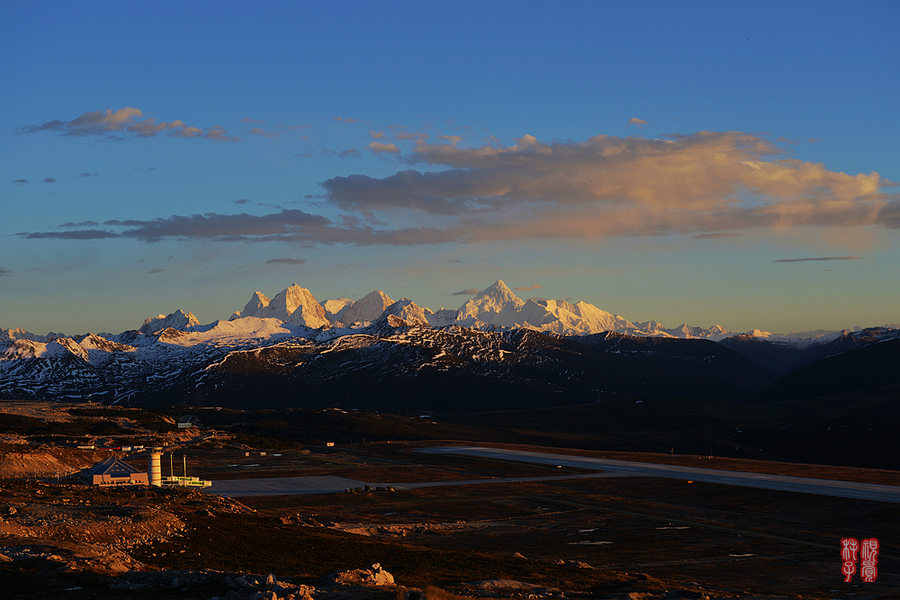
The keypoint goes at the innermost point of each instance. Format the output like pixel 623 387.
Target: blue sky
pixel 701 162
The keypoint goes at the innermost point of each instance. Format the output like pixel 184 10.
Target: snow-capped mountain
pixel 784 354
pixel 496 340
pixel 294 305
pixel 365 310
pixel 497 305
pixel 406 313
pixel 335 306
pixel 10 335
pixel 177 320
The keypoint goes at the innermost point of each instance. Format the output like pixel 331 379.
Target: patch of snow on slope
pixel 237 331
pixel 334 307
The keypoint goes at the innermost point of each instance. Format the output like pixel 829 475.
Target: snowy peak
pixel 297 305
pixel 257 302
pixel 11 335
pixel 407 310
pixel 294 305
pixel 177 320
pixel 496 305
pixel 366 309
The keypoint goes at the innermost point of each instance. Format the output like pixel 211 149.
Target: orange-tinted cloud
pixel 467 292
pixel 128 120
pixel 378 148
pixel 713 183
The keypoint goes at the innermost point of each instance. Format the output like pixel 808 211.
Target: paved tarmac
pixel 806 485
pixel 280 486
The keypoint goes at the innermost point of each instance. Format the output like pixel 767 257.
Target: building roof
pixel 113 467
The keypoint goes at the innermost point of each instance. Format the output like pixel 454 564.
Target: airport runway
pixel 806 485
pixel 282 486
pixel 278 486
pixel 286 486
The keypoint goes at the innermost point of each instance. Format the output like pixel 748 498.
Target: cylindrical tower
pixel 155 467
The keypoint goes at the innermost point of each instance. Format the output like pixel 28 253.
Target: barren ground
pixel 635 538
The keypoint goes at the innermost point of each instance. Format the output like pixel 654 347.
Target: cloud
pixel 4 272
pixel 88 175
pixel 263 133
pixel 378 148
pixel 528 288
pixel 288 226
pixel 82 224
pixel 79 234
pixel 217 226
pixel 706 183
pixel 128 120
pixel 468 292
pixel 218 134
pixel 792 260
pixel 352 121
pixel 154 271
pixel 21 181
pixel 377 135
pixel 715 236
pixel 348 153
pixel 286 261
pixel 635 121
pixel 49 180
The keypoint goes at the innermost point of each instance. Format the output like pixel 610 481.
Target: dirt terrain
pixel 621 537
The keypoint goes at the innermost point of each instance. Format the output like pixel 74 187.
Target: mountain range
pixel 495 351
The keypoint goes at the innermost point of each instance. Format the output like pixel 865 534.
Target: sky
pixel 730 163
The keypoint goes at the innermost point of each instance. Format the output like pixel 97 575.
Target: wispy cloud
pixel 820 258
pixel 88 175
pixel 128 120
pixel 715 236
pixel 49 180
pixel 348 153
pixel 21 182
pixel 154 271
pixel 635 121
pixel 272 133
pixel 468 292
pixel 4 272
pixel 349 121
pixel 528 288
pixel 286 261
pixel 378 148
pixel 289 226
pixel 78 234
pixel 82 224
